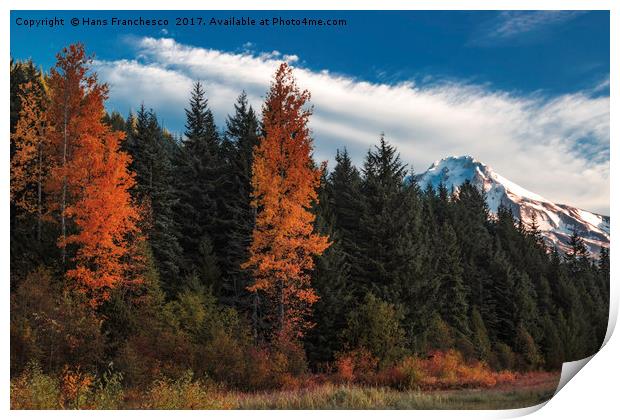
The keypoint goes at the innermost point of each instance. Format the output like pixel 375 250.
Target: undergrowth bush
pixel 72 389
pixel 33 390
pixel 184 393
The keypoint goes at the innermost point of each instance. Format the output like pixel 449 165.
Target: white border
pixel 592 394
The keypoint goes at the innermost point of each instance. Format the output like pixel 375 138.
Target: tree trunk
pixel 281 306
pixel 255 318
pixel 64 186
pixel 39 192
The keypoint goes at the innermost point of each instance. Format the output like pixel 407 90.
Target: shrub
pixel 376 326
pixel 74 387
pixel 441 370
pixel 258 370
pixel 184 393
pixel 439 335
pixel 406 375
pixel 107 392
pixel 505 357
pixel 33 390
pixel 357 365
pixel 530 357
pixel 53 326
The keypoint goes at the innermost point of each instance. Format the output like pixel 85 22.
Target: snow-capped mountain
pixel 556 221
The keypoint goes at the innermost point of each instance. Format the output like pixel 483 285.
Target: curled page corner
pixel 569 370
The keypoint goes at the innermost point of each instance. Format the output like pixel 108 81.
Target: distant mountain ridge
pixel 557 221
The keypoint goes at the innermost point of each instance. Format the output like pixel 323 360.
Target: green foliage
pixel 33 390
pixel 527 349
pixel 181 394
pixel 439 335
pixel 107 391
pixel 480 338
pixel 376 326
pixel 240 138
pixel 505 356
pixel 452 295
pixel 197 173
pixel 151 149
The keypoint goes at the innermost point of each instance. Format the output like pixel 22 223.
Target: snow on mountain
pixel 556 221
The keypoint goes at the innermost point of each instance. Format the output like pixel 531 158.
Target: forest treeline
pixel 230 253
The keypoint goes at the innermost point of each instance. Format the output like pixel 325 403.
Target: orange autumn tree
pixel 30 164
pixel 90 180
pixel 285 182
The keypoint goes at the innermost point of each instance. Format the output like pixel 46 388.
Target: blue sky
pixel 526 92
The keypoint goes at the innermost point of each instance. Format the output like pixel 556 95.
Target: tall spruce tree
pixel 332 282
pixel 149 147
pixel 240 138
pixel 384 235
pixel 197 170
pixel 453 305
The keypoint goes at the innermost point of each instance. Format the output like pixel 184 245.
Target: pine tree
pixel 384 235
pixel 241 137
pixel 332 282
pixel 285 183
pixel 149 147
pixel 480 337
pixel 472 229
pixel 197 174
pixel 453 305
pixel 502 323
pixel 343 190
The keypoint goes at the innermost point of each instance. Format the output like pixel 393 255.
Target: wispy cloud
pixel 557 147
pixel 511 24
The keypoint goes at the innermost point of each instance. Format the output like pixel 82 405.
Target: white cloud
pixel 510 24
pixel 516 22
pixel 557 147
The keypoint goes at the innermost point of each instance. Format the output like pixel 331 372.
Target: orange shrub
pixel 258 370
pixel 357 365
pixel 441 370
pixel 74 387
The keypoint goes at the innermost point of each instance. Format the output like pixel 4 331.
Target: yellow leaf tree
pixel 30 163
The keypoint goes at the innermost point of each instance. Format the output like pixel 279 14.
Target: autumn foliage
pixel 89 181
pixel 285 186
pixel 438 370
pixel 29 164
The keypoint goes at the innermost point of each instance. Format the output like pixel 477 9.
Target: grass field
pixel 40 391
pixel 527 392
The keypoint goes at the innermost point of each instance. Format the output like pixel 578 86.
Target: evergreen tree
pixel 502 290
pixel 385 241
pixel 148 145
pixel 480 337
pixel 197 175
pixel 453 305
pixel 241 136
pixel 343 189
pixel 472 225
pixel 332 282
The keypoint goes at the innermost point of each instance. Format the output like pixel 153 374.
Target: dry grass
pixel 35 390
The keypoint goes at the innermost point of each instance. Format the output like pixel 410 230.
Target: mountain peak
pixel 557 221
